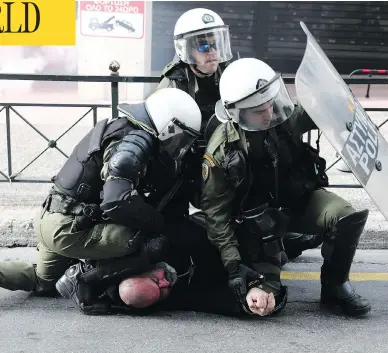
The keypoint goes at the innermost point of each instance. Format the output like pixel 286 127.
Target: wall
pixel 352 34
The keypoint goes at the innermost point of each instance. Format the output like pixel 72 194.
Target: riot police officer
pixel 109 197
pixel 202 46
pixel 260 180
pixel 203 51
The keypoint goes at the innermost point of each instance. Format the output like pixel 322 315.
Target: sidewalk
pixel 19 202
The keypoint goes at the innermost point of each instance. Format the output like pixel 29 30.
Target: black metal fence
pixel 114 78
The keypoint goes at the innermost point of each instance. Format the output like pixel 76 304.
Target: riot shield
pixel 332 106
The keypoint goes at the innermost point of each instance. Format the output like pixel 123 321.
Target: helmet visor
pixel 267 107
pixel 205 46
pixel 176 140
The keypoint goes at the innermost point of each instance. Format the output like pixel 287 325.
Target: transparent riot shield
pixel 332 106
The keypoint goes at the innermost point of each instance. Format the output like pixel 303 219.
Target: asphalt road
pixel 33 324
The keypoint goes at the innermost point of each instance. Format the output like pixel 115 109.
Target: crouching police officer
pixel 260 179
pixel 107 199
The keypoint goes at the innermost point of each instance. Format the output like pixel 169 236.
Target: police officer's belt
pixel 57 203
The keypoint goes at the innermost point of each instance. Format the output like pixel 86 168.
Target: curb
pixel 18 232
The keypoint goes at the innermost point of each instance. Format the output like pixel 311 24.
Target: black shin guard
pixel 340 246
pixel 338 251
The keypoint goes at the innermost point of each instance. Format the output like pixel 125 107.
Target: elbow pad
pixel 131 156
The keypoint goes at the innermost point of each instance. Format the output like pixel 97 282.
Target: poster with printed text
pixel 115 19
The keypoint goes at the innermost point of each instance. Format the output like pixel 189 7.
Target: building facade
pixel 352 34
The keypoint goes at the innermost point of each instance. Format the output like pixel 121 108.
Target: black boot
pixel 83 283
pixel 88 298
pixel 71 286
pixel 296 243
pixel 338 251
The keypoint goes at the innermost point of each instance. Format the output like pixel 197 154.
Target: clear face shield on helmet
pixel 202 47
pixel 267 107
pixel 176 140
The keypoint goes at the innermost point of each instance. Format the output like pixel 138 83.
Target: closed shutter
pixel 238 15
pixel 352 34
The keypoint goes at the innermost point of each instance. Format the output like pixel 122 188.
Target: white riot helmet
pixel 177 120
pixel 201 29
pixel 253 96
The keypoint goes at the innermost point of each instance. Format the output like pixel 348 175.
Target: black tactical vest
pixel 300 169
pixel 79 177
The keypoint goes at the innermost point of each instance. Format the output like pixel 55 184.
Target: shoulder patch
pixel 207 163
pixel 205 170
pixel 209 160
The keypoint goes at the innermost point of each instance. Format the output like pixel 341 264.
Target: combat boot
pixel 71 286
pixel 85 281
pixel 338 250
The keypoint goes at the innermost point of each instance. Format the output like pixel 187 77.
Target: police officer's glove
pixel 239 278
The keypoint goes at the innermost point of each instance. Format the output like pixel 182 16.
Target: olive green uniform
pixel 59 242
pixel 313 213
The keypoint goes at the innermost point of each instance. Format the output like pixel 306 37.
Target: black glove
pixel 239 277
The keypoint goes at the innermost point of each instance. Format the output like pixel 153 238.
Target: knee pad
pixel 347 230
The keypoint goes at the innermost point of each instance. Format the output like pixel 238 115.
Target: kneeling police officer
pixel 122 184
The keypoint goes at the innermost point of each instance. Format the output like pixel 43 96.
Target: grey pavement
pixel 20 201
pixel 54 325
